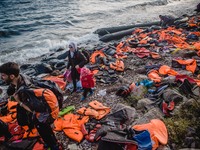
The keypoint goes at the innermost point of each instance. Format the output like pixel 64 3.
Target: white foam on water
pixel 87 38
pixel 23 55
pixel 44 47
pixel 107 14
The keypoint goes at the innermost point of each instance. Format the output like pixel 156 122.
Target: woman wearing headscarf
pixel 76 60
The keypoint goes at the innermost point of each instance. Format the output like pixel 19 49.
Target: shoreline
pixel 31 44
pixel 133 64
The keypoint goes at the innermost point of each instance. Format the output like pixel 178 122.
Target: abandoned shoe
pixel 90 94
pixel 74 90
pixel 83 98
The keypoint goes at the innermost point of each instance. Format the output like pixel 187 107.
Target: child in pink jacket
pixel 87 80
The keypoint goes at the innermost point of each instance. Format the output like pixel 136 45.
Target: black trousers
pixel 85 91
pixel 4 130
pixel 43 128
pixel 47 134
pixel 75 77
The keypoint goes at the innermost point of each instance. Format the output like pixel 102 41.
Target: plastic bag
pixel 102 92
pixel 67 75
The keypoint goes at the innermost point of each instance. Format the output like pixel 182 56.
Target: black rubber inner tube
pixel 60 66
pixel 133 43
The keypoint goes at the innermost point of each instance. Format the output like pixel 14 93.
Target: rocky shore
pixel 183 125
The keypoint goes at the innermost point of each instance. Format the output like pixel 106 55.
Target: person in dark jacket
pixel 166 20
pixel 76 60
pixel 10 73
pixel 198 8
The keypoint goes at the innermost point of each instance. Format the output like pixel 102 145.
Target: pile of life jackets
pixel 96 110
pixel 11 114
pixel 18 132
pixel 72 124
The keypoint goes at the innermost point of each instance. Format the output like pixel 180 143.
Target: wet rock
pixel 60 65
pixel 189 142
pixel 52 62
pixel 60 49
pixel 145 104
pixel 139 77
pixel 130 111
pixel 42 75
pixel 137 62
pixel 154 113
pixel 56 73
pixel 185 72
pixel 48 58
pixel 163 147
pixel 36 69
pixel 85 145
pixel 169 79
pixel 73 147
pixel 140 70
pixel 138 92
pixel 189 54
pixel 42 68
pixel 62 56
pixel 124 80
pixel 171 95
pixel 184 53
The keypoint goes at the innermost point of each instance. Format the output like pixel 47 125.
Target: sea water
pixel 32 28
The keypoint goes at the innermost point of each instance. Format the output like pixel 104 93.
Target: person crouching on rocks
pixel 87 81
pixel 76 60
pixel 31 111
pixel 166 20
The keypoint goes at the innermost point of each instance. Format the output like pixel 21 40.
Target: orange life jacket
pixel 157 130
pixel 154 76
pixel 166 70
pixel 190 64
pixel 118 65
pixel 100 108
pixel 12 112
pixel 155 55
pixel 94 55
pixel 72 126
pixel 88 112
pixel 58 80
pixel 30 133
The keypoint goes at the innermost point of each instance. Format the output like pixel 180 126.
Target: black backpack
pixel 48 84
pixel 86 54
